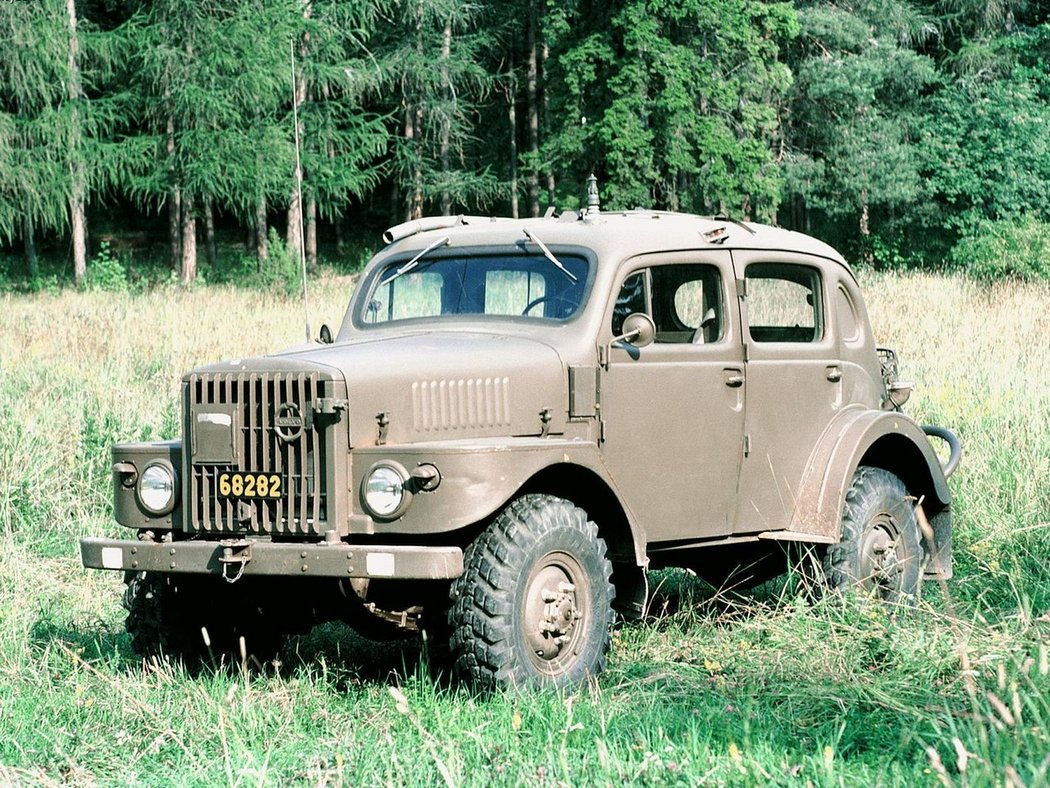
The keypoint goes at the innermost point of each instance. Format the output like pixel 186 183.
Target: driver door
pixel 673 411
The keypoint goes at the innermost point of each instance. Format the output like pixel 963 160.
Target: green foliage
pixel 106 271
pixel 855 110
pixel 889 129
pixel 429 84
pixel 282 272
pixel 987 149
pixel 1017 249
pixel 674 106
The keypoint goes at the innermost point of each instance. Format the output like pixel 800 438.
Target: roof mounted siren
pixel 593 206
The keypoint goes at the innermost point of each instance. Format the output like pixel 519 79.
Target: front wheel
pixel 880 552
pixel 534 604
pixel 200 620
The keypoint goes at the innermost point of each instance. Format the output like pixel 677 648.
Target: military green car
pixel 516 420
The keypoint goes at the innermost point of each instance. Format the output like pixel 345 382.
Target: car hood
pixel 444 385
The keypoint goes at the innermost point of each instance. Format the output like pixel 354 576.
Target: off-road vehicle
pixel 518 418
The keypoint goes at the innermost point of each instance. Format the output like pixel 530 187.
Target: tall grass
pixel 767 688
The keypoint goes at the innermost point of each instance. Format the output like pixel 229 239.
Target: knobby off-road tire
pixel 880 552
pixel 167 613
pixel 534 605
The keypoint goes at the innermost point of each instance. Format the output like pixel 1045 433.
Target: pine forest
pixel 161 135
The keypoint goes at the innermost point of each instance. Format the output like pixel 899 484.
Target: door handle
pixel 734 378
pixel 834 373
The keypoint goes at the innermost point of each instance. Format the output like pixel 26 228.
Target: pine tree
pixel 42 161
pixel 853 137
pixel 672 105
pixel 435 70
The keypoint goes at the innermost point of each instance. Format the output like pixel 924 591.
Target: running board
pixel 797 536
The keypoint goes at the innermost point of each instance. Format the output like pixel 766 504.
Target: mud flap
pixel 632 590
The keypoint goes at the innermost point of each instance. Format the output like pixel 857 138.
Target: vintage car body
pixel 694 391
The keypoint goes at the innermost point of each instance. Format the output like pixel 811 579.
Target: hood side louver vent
pixel 439 405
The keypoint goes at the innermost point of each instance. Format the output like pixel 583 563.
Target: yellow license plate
pixel 250 485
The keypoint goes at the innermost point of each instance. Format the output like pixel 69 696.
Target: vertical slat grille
pixel 255 399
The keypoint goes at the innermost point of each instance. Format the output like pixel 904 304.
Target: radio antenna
pixel 299 192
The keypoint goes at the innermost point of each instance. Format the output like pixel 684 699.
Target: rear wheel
pixel 534 605
pixel 880 552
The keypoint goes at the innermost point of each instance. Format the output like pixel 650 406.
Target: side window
pixel 783 303
pixel 849 324
pixel 684 301
pixel 632 298
pixel 687 303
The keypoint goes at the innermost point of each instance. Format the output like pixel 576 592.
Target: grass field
pixel 765 688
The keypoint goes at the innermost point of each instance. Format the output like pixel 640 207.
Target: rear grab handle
pixel 954 446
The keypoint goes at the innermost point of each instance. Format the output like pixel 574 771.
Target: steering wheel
pixel 569 303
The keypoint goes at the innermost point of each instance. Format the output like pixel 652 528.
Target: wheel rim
pixel 881 558
pixel 556 610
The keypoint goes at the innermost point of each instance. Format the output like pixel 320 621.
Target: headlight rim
pixel 169 507
pixel 406 493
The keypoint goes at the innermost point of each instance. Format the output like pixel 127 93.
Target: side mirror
pixel 639 330
pixel 326 334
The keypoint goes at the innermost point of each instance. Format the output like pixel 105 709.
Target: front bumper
pixel 232 558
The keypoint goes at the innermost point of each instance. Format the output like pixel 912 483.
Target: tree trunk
pixel 209 233
pixel 78 187
pixel 512 120
pixel 174 198
pixel 294 230
pixel 189 240
pixel 175 228
pixel 446 121
pixel 29 236
pixel 865 228
pixel 545 51
pixel 340 239
pixel 414 197
pixel 262 247
pixel 293 237
pixel 311 231
pixel 78 225
pixel 532 175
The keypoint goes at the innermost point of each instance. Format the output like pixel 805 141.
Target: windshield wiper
pixel 414 261
pixel 548 254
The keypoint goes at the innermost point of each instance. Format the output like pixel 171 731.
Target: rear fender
pixel 888 440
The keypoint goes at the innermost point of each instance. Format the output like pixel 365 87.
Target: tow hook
pixel 234 551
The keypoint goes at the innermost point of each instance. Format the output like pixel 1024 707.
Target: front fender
pixel 478 478
pixel 860 436
pixel 129 460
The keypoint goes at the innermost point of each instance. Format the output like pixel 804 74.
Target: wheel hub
pixel 881 562
pixel 552 610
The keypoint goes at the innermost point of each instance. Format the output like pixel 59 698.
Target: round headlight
pixel 384 490
pixel 157 488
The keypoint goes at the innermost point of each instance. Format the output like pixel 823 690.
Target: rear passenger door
pixel 793 379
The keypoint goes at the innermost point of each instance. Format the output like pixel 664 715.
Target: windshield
pixel 524 285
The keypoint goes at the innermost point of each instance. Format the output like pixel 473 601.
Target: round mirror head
pixel 639 329
pixel 326 334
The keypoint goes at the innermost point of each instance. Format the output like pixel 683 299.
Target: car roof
pixel 619 234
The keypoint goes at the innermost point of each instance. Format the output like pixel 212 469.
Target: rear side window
pixel 783 303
